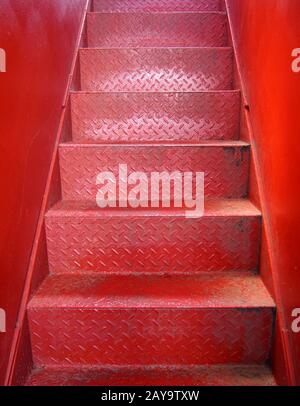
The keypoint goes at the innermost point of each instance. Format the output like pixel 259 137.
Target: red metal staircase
pixel 148 296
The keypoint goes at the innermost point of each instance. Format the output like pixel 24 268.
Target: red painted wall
pixel 39 39
pixel 265 32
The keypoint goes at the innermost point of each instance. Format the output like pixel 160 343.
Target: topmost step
pixel 159 29
pixel 107 6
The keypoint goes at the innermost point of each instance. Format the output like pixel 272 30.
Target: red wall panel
pixel 265 32
pixel 39 38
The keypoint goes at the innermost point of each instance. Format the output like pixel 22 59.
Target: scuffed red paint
pixel 265 34
pixel 39 39
pixel 247 375
pixel 84 318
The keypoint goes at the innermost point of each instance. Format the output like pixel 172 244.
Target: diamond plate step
pixel 231 375
pixel 81 237
pixel 151 320
pixel 106 6
pixel 171 117
pixel 225 165
pixel 118 30
pixel 150 296
pixel 156 69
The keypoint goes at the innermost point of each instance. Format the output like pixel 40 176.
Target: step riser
pixel 115 6
pixel 155 116
pixel 155 70
pixel 150 336
pixel 225 167
pixel 151 244
pixel 157 30
pixel 153 288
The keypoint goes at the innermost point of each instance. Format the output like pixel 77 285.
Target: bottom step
pixel 86 320
pixel 246 375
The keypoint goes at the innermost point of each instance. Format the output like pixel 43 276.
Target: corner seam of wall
pixel 27 284
pixel 280 314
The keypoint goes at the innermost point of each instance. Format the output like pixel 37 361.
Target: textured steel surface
pixel 209 375
pixel 130 117
pixel 225 166
pixel 90 322
pixel 206 290
pixel 156 69
pixel 225 239
pixel 150 289
pixel 149 336
pixel 40 42
pixel 105 6
pixel 157 29
pixel 93 336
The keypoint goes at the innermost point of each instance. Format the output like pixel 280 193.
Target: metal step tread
pixel 213 375
pixel 224 290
